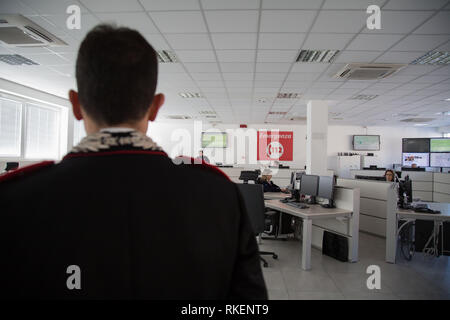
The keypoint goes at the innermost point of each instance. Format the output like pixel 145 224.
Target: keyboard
pixel 297 205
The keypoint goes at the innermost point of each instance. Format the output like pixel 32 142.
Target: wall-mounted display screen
pixel 416 145
pixel 366 142
pixel 420 159
pixel 440 145
pixel 440 159
pixel 214 140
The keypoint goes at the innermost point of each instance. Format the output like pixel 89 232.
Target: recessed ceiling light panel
pixel 366 97
pixel 321 56
pixel 434 57
pixel 190 95
pixel 288 95
pixel 16 59
pixel 166 56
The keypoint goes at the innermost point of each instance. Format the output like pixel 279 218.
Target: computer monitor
pixel 309 186
pixel 326 189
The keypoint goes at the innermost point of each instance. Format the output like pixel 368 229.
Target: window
pixel 42 132
pixel 10 128
pixel 78 131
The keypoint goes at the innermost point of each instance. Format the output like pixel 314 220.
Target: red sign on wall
pixel 275 145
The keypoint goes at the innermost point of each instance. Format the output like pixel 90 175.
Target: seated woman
pixel 268 185
pixel 389 175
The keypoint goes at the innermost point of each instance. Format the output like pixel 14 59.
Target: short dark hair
pixel 117 72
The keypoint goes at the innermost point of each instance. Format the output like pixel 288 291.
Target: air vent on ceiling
pixel 434 57
pixel 190 95
pixel 178 117
pixel 16 59
pixel 297 118
pixel 420 120
pixel 323 56
pixel 285 95
pixel 165 56
pixel 368 71
pixel 366 97
pixel 210 117
pixel 18 31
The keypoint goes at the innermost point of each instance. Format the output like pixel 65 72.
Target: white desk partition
pixel 280 177
pixel 441 187
pixel 378 198
pixel 345 198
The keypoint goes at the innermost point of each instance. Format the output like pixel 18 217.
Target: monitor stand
pixel 330 204
pixel 312 200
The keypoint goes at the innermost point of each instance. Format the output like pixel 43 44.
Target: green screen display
pixel 366 142
pixel 214 140
pixel 440 145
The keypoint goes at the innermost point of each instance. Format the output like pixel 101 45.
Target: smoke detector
pixel 368 71
pixel 18 31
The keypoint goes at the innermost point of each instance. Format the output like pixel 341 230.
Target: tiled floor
pixel 421 278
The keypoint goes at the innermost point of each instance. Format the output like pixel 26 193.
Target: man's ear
pixel 76 107
pixel 157 103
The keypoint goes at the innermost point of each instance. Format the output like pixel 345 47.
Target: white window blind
pixel 78 131
pixel 42 133
pixel 10 128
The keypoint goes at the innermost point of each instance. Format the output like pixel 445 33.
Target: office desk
pixel 409 216
pixel 276 195
pixel 307 215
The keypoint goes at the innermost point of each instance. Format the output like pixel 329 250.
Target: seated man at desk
pixel 268 185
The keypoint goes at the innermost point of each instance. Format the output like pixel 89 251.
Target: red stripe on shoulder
pixel 203 164
pixel 24 171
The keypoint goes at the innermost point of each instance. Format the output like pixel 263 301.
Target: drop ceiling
pixel 238 55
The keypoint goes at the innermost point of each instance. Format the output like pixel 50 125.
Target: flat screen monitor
pixel 326 185
pixel 298 175
pixel 309 185
pixel 214 140
pixel 441 159
pixel 420 159
pixel 440 145
pixel 366 142
pixel 415 145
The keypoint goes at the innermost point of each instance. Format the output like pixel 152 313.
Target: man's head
pixel 266 175
pixel 414 165
pixel 116 72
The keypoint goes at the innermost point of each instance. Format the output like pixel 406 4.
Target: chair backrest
pixel 253 195
pixel 247 176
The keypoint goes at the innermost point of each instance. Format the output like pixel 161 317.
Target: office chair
pixel 247 176
pixel 253 196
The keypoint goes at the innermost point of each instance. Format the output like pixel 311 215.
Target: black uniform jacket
pixel 136 225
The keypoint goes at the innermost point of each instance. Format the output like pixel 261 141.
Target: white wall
pixel 339 139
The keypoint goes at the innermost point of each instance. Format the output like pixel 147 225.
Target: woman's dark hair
pixel 116 72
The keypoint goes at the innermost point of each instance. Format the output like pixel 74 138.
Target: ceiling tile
pixel 356 56
pixel 351 4
pixel 414 4
pixel 269 76
pixel 189 41
pixel 232 21
pixel 196 55
pixel 112 5
pixel 401 22
pixel 236 55
pixel 375 42
pixel 179 21
pixel 170 68
pixel 309 67
pixel 157 41
pixel 273 67
pixel 439 24
pixel 399 57
pixel 286 21
pixel 307 76
pixel 154 5
pixel 277 55
pixel 280 40
pixel 201 76
pixel 234 40
pixel 134 20
pixel 230 4
pixel 236 67
pixel 48 59
pixel 339 21
pixel 238 76
pixel 202 67
pixel 290 4
pixel 420 42
pixel 327 41
pixel 52 6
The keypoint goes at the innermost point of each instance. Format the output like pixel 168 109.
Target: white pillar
pixel 316 137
